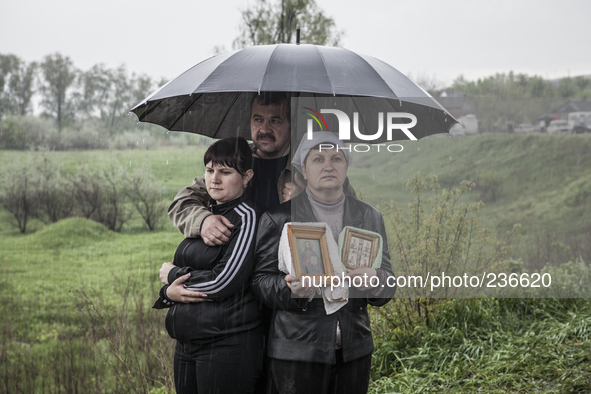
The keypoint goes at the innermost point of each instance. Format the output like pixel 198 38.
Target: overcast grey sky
pixel 434 39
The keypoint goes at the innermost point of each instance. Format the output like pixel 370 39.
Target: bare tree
pixel 55 193
pixel 146 196
pixel 113 211
pixel 87 191
pixel 20 195
pixel 429 83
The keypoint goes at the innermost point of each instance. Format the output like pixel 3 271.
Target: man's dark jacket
pixel 301 330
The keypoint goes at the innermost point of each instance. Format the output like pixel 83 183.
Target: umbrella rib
pixel 148 111
pixel 267 68
pixel 234 100
pixel 325 70
pixel 183 113
pixel 374 70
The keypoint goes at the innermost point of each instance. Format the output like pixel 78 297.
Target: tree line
pixel 511 85
pixel 68 94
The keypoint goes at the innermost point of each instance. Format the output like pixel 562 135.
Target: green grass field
pixel 75 297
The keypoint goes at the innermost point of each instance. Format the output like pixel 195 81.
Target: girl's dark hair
pixel 231 152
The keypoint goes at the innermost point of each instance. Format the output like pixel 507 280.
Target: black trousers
pixel 296 377
pixel 230 365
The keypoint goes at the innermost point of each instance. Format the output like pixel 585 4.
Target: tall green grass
pixel 486 346
pixel 75 300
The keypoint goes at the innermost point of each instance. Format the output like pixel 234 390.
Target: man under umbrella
pixel 271 135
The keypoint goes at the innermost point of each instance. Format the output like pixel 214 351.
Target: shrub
pixel 90 136
pixel 55 193
pixel 439 234
pixel 490 184
pixel 86 186
pixel 25 132
pixel 132 140
pixel 54 140
pixel 146 196
pixel 112 210
pixel 20 194
pixel 569 280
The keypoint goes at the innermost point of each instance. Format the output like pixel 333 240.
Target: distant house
pixel 456 103
pixel 573 105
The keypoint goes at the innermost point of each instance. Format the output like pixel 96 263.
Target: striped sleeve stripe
pixel 239 253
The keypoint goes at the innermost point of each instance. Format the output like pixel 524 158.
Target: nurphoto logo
pixel 344 128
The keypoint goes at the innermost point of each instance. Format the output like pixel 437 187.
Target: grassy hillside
pixel 75 303
pixel 542 182
pixel 45 267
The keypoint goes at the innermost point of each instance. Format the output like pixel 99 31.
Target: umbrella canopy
pixel 213 98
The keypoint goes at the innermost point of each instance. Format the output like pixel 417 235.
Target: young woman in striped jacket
pixel 213 314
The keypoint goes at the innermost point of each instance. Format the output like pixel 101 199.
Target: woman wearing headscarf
pixel 213 314
pixel 312 351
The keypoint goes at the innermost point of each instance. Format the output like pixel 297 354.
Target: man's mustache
pixel 269 136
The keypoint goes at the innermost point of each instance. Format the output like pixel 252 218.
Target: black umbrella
pixel 213 98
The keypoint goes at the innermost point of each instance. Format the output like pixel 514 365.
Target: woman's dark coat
pixel 301 330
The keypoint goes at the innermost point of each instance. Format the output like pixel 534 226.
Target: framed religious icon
pixel 309 251
pixel 359 249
